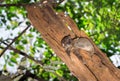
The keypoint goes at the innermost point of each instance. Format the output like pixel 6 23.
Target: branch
pixel 60 1
pixel 36 61
pixel 14 40
pixel 17 5
pixel 29 57
pixel 29 74
pixel 25 75
pixel 24 54
pixel 26 4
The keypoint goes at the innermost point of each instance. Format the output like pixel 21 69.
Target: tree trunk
pixel 73 46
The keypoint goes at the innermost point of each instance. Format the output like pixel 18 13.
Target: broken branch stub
pixel 74 47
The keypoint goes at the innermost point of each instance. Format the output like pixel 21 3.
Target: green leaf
pixel 59 72
pixel 47 54
pixel 53 75
pixel 24 41
pixel 30 35
pixel 45 75
pixel 13 60
pixel 10 64
pixel 20 47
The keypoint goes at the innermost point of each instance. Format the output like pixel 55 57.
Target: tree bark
pixel 73 46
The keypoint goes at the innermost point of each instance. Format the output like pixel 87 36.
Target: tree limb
pixel 29 74
pixel 14 40
pixel 24 54
pixel 17 5
pixel 26 4
pixel 36 61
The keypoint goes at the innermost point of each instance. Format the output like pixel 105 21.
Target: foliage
pixel 99 18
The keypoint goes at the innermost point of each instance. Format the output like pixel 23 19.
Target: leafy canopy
pixel 100 19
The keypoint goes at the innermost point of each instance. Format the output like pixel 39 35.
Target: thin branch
pixel 29 74
pixel 29 57
pixel 17 5
pixel 24 54
pixel 26 75
pixel 60 1
pixel 1 41
pixel 14 40
pixel 26 4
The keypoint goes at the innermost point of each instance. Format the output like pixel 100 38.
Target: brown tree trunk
pixel 74 47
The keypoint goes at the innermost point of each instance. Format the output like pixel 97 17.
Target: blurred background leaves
pixel 100 19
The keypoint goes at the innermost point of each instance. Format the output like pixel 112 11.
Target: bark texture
pixel 73 46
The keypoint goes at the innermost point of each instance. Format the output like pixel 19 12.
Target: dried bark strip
pixel 54 28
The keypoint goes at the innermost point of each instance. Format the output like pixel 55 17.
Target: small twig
pixel 26 75
pixel 29 57
pixel 24 54
pixel 1 41
pixel 26 4
pixel 17 5
pixel 60 1
pixel 29 74
pixel 14 40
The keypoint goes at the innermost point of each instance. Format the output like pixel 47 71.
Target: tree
pixel 64 38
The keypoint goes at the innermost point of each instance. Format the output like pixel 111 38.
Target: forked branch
pixel 14 40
